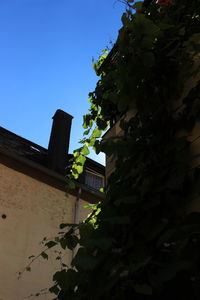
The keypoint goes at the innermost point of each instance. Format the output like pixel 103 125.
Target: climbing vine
pixel 143 241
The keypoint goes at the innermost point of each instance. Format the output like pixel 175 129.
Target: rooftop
pixel 10 142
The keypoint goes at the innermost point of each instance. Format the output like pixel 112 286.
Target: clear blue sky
pixel 46 61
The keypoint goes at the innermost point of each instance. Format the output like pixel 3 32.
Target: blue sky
pixel 46 61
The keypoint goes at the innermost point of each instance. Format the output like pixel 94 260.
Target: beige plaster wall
pixel 33 211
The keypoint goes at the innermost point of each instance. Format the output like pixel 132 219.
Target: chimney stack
pixel 59 141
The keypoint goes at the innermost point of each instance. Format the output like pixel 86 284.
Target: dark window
pixel 93 181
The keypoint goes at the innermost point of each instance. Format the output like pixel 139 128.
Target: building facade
pixel 33 202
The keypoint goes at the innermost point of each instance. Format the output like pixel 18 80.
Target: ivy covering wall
pixel 143 241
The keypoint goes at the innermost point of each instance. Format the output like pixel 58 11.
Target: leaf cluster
pixel 142 242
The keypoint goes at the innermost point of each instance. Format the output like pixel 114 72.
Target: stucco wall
pixel 33 211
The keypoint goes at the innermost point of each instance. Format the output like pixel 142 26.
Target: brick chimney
pixel 59 141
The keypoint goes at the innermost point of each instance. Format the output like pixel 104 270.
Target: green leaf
pixel 81 159
pixel 63 243
pixel 76 153
pixel 65 279
pixel 64 225
pixel 50 244
pixel 91 141
pixel 54 289
pixel 44 255
pixel 102 124
pixel 86 132
pixel 84 261
pixel 87 205
pixel 96 133
pixel 85 150
pixel 60 278
pixel 71 185
pixel 85 230
pixel 87 121
pixel 28 269
pixel 75 175
pixel 69 241
pixel 79 169
pixel 74 169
